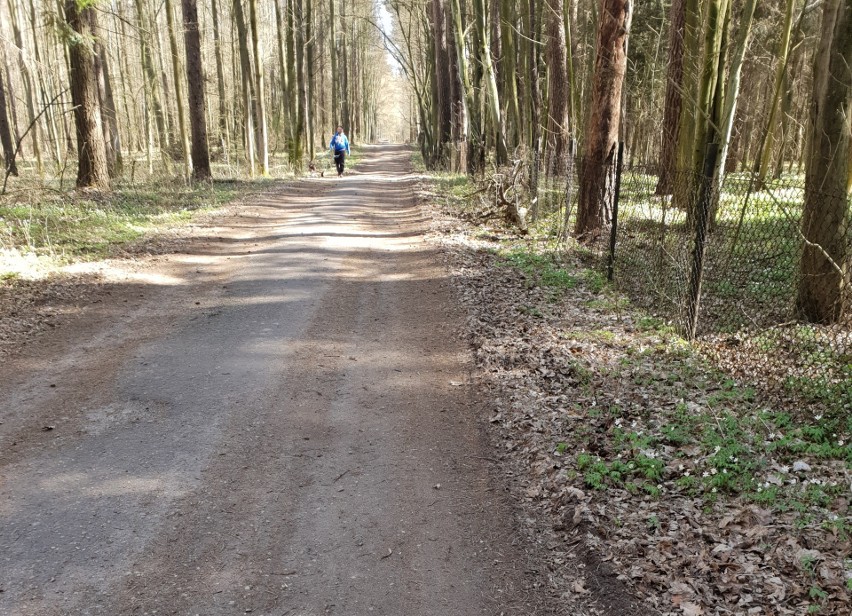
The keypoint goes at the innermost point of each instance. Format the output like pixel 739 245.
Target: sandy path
pixel 277 423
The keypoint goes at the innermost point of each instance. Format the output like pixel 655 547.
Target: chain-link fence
pixel 728 265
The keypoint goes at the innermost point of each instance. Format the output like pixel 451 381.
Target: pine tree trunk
pixel 92 171
pixel 824 273
pixel 596 178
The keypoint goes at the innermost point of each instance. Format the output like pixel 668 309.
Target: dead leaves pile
pixel 610 427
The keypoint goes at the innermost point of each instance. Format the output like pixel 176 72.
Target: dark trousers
pixel 338 161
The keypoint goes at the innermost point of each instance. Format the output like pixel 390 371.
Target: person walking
pixel 339 147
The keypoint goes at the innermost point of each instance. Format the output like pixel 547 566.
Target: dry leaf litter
pixel 700 492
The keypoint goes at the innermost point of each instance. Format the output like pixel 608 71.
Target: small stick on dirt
pixel 484 458
pixel 340 476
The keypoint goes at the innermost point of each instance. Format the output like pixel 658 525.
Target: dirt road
pixel 275 422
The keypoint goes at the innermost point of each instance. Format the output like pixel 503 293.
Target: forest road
pixel 274 422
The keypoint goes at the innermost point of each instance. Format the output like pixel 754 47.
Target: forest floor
pixel 273 412
pixel 699 492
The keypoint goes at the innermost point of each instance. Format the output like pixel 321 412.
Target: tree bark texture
pixel 601 143
pixel 92 171
pixel 558 91
pixel 824 275
pixel 6 134
pixel 262 139
pixel 671 114
pixel 442 74
pixel 195 90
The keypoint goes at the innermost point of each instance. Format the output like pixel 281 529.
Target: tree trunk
pixel 345 114
pixel 442 76
pixel 705 118
pixel 689 86
pixel 733 90
pixel 671 115
pixel 195 82
pixel 535 102
pixel 92 171
pixel 224 132
pixel 152 83
pixel 596 179
pixel 335 69
pixel 179 101
pixel 262 139
pixel 490 77
pixel 510 56
pixel 249 108
pixel 112 140
pixel 309 65
pixel 824 273
pixel 777 92
pixel 457 103
pixel 558 91
pixel 467 131
pixel 6 134
pixel 29 86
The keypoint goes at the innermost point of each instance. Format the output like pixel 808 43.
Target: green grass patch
pixel 88 226
pixel 542 269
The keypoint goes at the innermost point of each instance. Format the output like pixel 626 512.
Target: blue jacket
pixel 340 143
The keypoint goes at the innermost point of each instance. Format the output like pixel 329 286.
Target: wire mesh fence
pixel 754 263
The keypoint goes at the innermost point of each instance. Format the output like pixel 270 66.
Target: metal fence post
pixel 613 233
pixel 702 225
